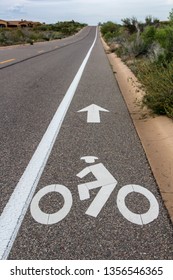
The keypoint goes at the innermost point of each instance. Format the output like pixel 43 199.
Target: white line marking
pixel 14 211
pixel 93 115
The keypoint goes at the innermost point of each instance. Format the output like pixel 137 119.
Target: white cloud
pixel 13 9
pixel 16 8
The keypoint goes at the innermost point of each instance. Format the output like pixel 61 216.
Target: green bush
pixel 158 85
pixel 161 36
pixel 46 32
pixel 165 38
pixel 137 48
pixel 110 30
pixel 170 17
pixel 108 36
pixel 148 35
pixel 148 50
pixel 29 41
pixel 2 38
pixel 109 27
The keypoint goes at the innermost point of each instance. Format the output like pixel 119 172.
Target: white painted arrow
pixel 93 115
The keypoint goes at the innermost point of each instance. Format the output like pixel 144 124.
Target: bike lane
pixel 109 206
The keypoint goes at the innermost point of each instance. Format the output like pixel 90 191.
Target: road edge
pixel 155 132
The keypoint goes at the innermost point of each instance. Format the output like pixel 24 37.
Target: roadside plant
pixel 158 85
pixel 45 32
pixel 170 17
pixel 148 35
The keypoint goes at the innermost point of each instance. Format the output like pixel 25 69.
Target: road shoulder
pixel 155 132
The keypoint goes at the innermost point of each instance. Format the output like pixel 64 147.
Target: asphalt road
pixel 96 197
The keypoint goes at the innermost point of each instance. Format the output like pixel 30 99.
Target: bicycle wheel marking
pixel 50 219
pixel 139 219
pixel 107 183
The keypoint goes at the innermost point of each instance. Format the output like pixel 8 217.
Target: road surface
pixel 75 181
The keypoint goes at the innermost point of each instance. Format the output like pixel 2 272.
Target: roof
pixel 13 22
pixel 3 20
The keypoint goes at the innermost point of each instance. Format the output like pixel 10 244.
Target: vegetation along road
pixel 75 180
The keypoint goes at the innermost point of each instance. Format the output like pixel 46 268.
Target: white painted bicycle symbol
pixel 107 183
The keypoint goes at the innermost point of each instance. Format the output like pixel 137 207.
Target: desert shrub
pixel 137 48
pixel 29 41
pixel 56 35
pixel 170 17
pixel 156 53
pixel 108 36
pixel 45 32
pixel 148 35
pixel 147 48
pixel 2 37
pixel 110 30
pixel 164 36
pixel 161 36
pixel 109 27
pixel 158 85
pixel 149 20
pixel 129 24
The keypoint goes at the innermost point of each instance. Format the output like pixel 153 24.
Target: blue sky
pixel 88 11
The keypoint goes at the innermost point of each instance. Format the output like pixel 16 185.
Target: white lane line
pixel 14 212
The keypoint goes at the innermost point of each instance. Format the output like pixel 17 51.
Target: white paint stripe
pixel 14 212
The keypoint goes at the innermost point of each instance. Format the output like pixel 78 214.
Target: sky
pixel 85 11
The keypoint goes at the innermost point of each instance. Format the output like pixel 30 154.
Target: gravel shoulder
pixel 155 132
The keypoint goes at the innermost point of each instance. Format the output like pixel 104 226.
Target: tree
pixel 149 20
pixel 171 16
pixel 130 24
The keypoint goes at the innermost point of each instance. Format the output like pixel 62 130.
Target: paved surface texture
pixel 32 102
pixel 30 94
